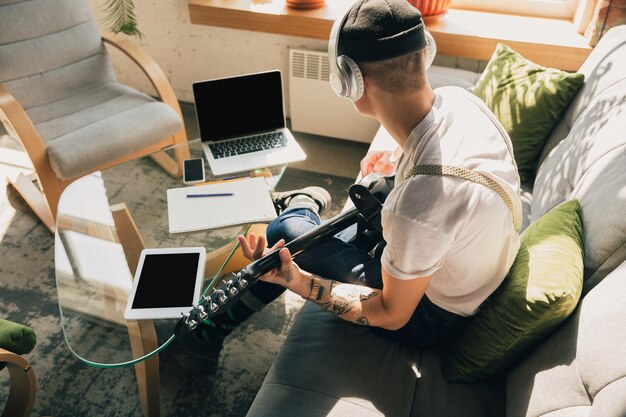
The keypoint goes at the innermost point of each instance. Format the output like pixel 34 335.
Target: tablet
pixel 168 282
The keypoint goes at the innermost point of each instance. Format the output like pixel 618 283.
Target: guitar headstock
pixel 220 301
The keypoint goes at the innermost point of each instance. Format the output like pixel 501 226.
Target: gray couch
pixel 328 367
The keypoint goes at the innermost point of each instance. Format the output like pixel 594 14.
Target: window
pixel 540 8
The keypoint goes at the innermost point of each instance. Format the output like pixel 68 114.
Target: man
pixel 448 241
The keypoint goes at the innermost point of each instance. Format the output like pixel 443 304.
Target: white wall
pixel 188 52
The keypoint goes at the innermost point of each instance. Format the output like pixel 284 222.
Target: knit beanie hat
pixel 381 29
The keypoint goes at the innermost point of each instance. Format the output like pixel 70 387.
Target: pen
pixel 210 195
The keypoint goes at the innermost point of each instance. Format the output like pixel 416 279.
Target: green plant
pixel 121 17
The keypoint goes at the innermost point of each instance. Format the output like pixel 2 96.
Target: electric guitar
pixel 367 196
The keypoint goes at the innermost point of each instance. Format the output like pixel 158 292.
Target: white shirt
pixel 456 230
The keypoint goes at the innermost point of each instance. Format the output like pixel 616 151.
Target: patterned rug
pixel 67 387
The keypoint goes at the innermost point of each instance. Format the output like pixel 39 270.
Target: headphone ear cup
pixel 432 48
pixel 352 78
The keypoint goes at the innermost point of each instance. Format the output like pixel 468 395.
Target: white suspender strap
pixel 470 176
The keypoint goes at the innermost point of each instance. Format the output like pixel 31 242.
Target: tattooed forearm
pixel 368 296
pixel 338 307
pixel 345 301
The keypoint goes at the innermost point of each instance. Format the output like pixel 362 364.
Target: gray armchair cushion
pixel 100 125
pixel 34 18
pixel 50 49
pixel 55 64
pixel 581 369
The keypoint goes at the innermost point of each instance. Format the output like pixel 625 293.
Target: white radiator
pixel 315 108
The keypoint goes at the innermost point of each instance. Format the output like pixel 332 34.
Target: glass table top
pixel 104 220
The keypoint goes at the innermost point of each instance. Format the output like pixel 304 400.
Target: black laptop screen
pixel 240 105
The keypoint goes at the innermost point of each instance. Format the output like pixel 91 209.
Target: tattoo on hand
pixel 288 275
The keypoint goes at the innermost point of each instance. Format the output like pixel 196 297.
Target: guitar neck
pixel 303 242
pixel 227 294
pixel 368 205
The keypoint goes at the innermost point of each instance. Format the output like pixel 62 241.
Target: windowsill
pixel 461 33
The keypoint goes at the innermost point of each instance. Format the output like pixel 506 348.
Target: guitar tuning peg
pixel 222 298
pixel 202 313
pixel 191 323
pixel 241 282
pixel 232 290
pixel 213 307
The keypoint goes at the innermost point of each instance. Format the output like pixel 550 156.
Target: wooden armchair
pixel 60 99
pixel 23 385
pixel 15 340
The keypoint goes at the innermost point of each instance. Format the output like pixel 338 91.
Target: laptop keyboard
pixel 249 144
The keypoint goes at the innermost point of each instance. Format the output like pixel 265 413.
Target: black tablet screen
pixel 167 280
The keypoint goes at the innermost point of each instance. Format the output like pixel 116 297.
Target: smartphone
pixel 193 171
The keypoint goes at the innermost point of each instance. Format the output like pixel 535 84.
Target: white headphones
pixel 346 78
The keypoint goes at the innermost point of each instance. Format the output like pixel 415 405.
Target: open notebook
pixel 229 203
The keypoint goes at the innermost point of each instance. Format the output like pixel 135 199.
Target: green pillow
pixel 16 338
pixel 527 99
pixel 540 291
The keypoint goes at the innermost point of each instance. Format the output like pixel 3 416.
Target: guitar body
pixel 368 197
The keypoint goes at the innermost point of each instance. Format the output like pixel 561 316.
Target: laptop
pixel 241 121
